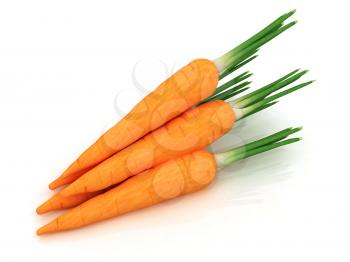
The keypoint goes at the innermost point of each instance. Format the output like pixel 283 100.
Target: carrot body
pixel 193 130
pixel 57 202
pixel 185 88
pixel 187 174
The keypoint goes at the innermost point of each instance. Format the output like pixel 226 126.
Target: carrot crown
pixel 265 144
pixel 230 88
pixel 246 51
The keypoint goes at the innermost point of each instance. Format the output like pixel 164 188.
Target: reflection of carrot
pixel 59 202
pixel 193 130
pixel 187 174
pixel 184 89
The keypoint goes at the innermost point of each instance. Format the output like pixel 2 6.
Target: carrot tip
pixel 43 208
pixel 41 231
pixel 48 228
pixel 53 185
pixel 61 181
pixel 39 211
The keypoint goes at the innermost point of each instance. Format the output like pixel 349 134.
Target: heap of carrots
pixel 157 151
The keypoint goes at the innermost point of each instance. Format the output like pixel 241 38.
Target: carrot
pixel 174 178
pixel 188 86
pixel 57 202
pixel 198 79
pixel 193 130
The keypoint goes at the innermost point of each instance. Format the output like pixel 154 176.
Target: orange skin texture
pixel 58 202
pixel 188 86
pixel 174 178
pixel 193 130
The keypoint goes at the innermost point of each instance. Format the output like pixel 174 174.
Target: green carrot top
pixel 265 144
pixel 246 51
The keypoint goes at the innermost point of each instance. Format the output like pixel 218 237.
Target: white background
pixel 65 66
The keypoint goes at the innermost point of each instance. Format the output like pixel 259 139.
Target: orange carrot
pixel 193 130
pixel 174 178
pixel 57 202
pixel 187 87
pixel 171 179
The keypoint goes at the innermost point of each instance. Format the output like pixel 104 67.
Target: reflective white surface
pixel 66 76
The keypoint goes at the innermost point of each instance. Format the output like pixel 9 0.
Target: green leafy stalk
pixel 231 94
pixel 264 40
pixel 269 89
pixel 243 54
pixel 237 56
pixel 276 24
pixel 265 144
pixel 256 92
pixel 232 82
pixel 247 49
pixel 268 100
pixel 258 109
pixel 267 148
pixel 232 91
pixel 239 63
pixel 267 140
pixel 236 67
pixel 229 89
